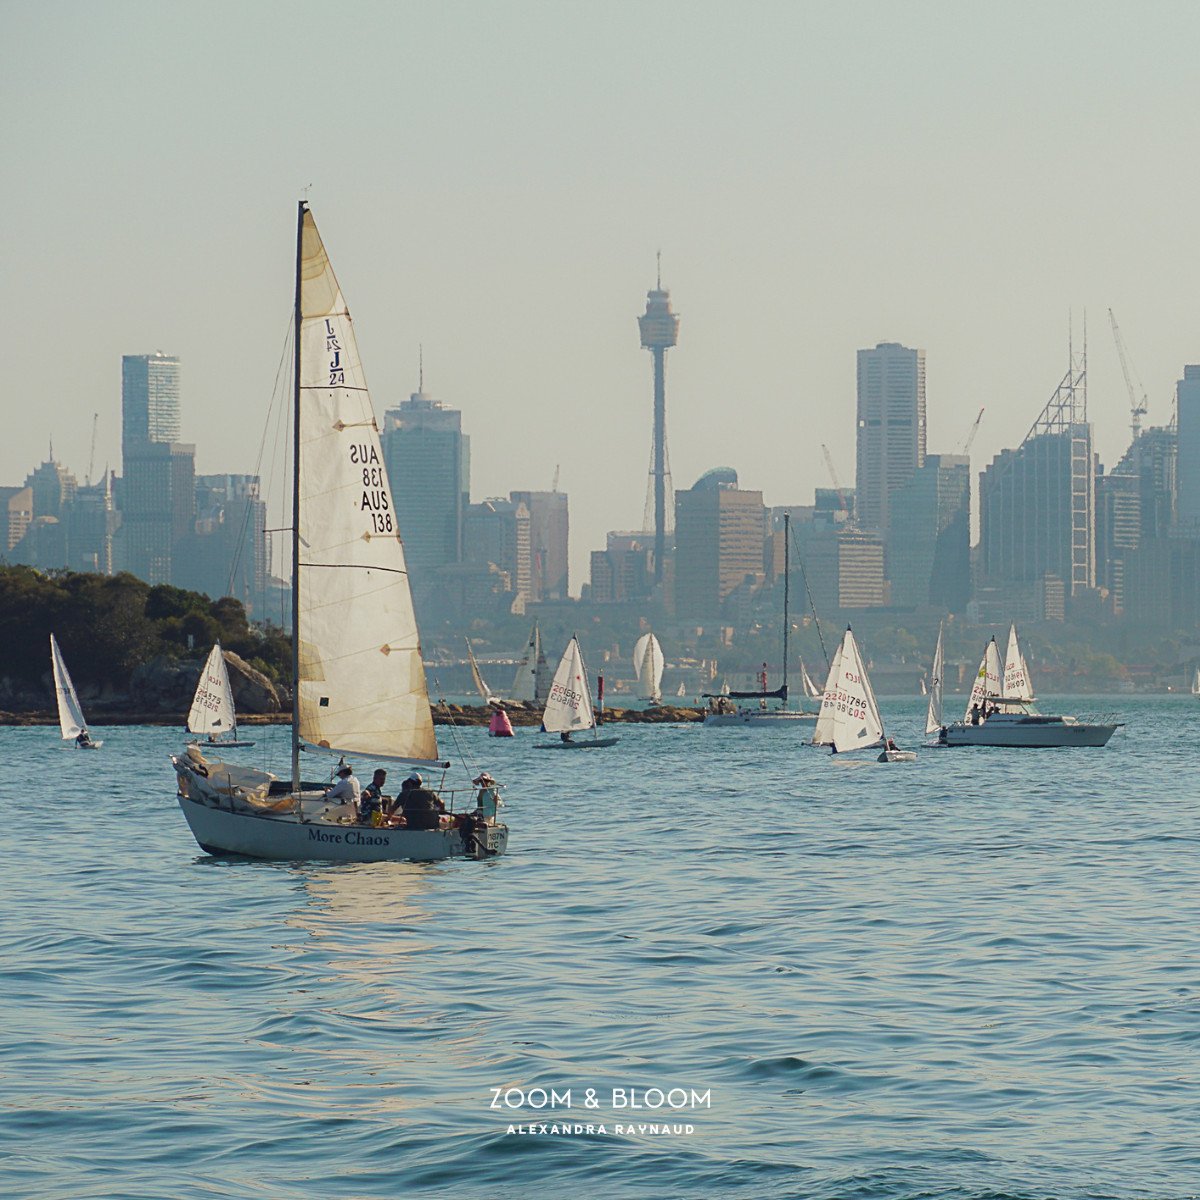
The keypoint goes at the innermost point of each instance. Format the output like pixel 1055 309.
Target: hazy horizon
pixel 492 182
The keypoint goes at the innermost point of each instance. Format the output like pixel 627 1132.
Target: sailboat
pixel 212 707
pixel 532 682
pixel 682 691
pixel 359 685
pixel 70 712
pixel 484 690
pixel 649 662
pixel 806 682
pixel 1001 712
pixel 933 714
pixel 569 705
pixel 1196 683
pixel 724 713
pixel 850 717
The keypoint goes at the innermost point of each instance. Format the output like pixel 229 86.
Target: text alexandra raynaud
pixel 622 1098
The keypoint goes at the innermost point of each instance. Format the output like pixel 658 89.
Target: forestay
pixel 649 663
pixel 569 704
pixel 823 733
pixel 361 678
pixel 988 680
pixel 212 706
pixel 933 715
pixel 1016 673
pixel 70 714
pixel 857 722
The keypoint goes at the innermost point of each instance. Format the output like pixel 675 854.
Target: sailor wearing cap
pixel 347 788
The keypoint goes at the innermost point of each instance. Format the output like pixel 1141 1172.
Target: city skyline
pixel 779 249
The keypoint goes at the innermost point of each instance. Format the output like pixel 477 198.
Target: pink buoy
pixel 501 726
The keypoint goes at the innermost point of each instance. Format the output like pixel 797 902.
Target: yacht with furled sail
pixel 71 721
pixel 212 714
pixel 569 708
pixel 359 683
pixel 1001 712
pixel 850 718
pixel 723 712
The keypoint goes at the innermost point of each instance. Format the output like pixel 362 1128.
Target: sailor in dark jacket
pixel 421 807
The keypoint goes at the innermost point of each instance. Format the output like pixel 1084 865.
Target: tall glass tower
pixel 149 399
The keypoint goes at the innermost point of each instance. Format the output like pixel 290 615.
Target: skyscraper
pixel 1037 510
pixel 1188 465
pixel 891 427
pixel 548 541
pixel 659 328
pixel 150 398
pixel 929 542
pixel 720 534
pixel 428 462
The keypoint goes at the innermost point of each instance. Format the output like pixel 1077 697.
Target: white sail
pixel 823 733
pixel 525 682
pixel 70 714
pixel 810 689
pixel 1016 674
pixel 1196 683
pixel 649 662
pixel 569 704
pixel 361 685
pixel 856 720
pixel 683 691
pixel 212 706
pixel 484 690
pixel 542 677
pixel 933 715
pixel 989 680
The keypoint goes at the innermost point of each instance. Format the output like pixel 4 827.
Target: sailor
pixel 347 789
pixel 565 736
pixel 371 799
pixel 422 808
pixel 84 740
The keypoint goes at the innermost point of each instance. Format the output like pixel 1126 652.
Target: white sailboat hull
pixel 286 838
pixel 1029 731
pixel 761 718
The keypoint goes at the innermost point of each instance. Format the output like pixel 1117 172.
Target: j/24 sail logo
pixel 337 373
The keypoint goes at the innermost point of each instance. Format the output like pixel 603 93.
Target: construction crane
pixel 92 456
pixel 966 447
pixel 837 487
pixel 1137 407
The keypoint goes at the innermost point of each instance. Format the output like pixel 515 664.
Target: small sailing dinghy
pixel 1196 683
pixel 933 714
pixel 70 711
pixel 481 686
pixel 1001 709
pixel 532 682
pixel 212 707
pixel 359 685
pixel 849 708
pixel 648 661
pixel 569 705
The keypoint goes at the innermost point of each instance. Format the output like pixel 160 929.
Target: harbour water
pixel 972 976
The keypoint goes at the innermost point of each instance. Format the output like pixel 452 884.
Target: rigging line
pixel 463 752
pixel 262 445
pixel 812 604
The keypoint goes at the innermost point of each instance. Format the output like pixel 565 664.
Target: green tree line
pixel 109 625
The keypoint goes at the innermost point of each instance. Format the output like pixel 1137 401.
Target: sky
pixel 493 181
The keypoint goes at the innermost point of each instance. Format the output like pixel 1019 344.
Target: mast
pixel 787 528
pixel 299 318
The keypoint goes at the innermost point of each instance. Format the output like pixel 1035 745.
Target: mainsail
pixel 648 661
pixel 525 684
pixel 1016 673
pixel 569 704
pixel 933 716
pixel 810 689
pixel 856 722
pixel 212 706
pixel 70 714
pixel 823 733
pixel 361 680
pixel 988 680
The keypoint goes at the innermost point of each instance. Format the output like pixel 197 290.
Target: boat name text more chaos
pixel 632 1098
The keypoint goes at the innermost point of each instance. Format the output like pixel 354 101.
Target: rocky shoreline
pixel 443 714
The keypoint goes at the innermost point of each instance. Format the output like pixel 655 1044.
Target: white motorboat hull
pixel 220 831
pixel 1029 732
pixel 762 718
